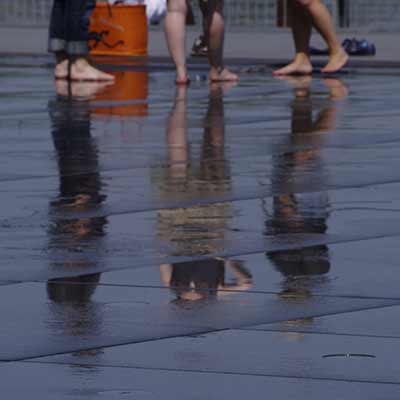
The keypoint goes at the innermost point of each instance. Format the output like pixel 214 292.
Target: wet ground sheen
pixel 215 241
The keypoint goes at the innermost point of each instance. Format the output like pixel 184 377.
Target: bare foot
pixel 61 70
pixel 182 77
pixel 182 80
pixel 301 65
pixel 336 62
pixel 222 76
pixel 81 70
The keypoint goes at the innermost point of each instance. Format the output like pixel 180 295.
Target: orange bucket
pixel 118 30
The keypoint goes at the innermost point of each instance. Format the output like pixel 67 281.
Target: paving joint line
pixel 169 337
pixel 377 307
pixel 216 372
pixel 319 333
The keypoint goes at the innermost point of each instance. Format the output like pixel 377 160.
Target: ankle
pixel 61 57
pixel 302 58
pixel 216 70
pixel 62 64
pixel 181 71
pixel 79 62
pixel 336 49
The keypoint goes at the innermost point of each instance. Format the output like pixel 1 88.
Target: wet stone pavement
pixel 219 241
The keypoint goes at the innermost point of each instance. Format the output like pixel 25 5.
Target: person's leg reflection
pixel 177 136
pixel 298 209
pixel 75 244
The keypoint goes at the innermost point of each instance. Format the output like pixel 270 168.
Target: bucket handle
pixel 114 4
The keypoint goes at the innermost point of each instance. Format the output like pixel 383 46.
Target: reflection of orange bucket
pixel 127 96
pixel 118 30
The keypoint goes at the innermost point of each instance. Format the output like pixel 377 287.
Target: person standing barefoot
pixel 176 40
pixel 68 40
pixel 306 15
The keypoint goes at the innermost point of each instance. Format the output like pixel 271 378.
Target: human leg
pixel 200 45
pixel 323 23
pixel 301 31
pixel 68 40
pixel 216 30
pixel 77 20
pixel 57 41
pixel 176 37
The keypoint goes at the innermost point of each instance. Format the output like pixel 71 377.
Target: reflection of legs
pixel 216 30
pixel 80 90
pixel 302 115
pixel 214 133
pixel 301 30
pixel 301 84
pixel 176 38
pixel 176 136
pixel 337 89
pixel 327 118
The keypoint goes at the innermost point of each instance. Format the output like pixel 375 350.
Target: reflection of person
pixel 204 279
pixel 294 211
pixel 175 36
pixel 75 244
pixel 197 230
pixel 68 40
pixel 307 14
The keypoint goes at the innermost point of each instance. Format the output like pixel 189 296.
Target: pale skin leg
pixel 176 40
pixel 175 35
pixel 308 13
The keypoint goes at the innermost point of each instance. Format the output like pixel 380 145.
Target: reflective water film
pixel 160 241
